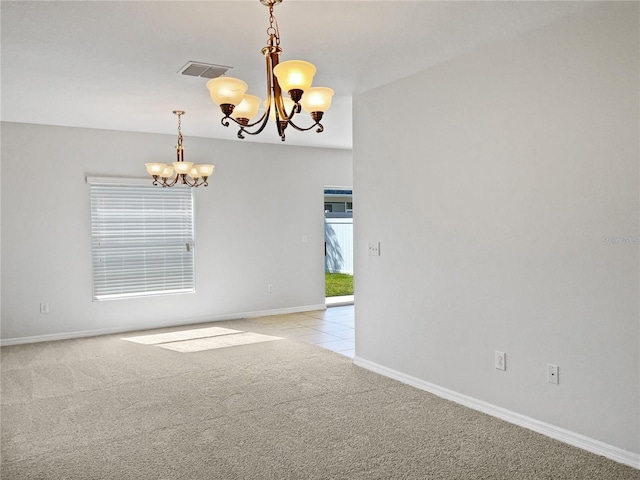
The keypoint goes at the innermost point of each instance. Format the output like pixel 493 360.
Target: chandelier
pixel 292 76
pixel 181 173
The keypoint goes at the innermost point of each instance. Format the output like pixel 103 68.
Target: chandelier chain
pixel 273 30
pixel 179 129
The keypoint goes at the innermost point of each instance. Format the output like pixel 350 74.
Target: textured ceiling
pixel 114 65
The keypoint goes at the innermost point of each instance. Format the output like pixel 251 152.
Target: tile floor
pixel 332 328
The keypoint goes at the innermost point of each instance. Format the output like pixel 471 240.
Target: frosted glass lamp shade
pixel 167 172
pixel 288 106
pixel 204 170
pixel 316 99
pixel 226 90
pixel 294 74
pixel 247 108
pixel 193 173
pixel 155 168
pixel 182 167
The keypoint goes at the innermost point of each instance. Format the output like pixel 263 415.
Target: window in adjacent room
pixel 142 240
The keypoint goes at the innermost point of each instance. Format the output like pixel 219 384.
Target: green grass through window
pixel 338 284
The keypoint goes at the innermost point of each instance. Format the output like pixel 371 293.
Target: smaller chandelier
pixel 181 173
pixel 293 77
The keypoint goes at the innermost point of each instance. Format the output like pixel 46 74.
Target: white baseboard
pixel 5 342
pixel 594 446
pixel 281 311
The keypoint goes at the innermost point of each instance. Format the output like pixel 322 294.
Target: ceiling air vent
pixel 205 70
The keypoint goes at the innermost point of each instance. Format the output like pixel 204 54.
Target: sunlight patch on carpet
pixel 199 339
pixel 181 335
pixel 221 341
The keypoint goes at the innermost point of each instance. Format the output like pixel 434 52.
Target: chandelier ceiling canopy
pixel 292 76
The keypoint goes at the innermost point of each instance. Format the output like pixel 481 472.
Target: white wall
pixel 249 225
pixel 523 157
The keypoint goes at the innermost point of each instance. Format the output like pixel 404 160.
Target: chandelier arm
pixel 294 110
pixel 175 180
pixel 243 128
pixel 185 181
pixel 262 119
pixel 317 124
pixel 248 125
pixel 196 182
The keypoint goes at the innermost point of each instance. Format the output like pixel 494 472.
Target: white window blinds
pixel 142 240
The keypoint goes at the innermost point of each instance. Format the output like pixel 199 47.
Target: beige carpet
pixel 106 408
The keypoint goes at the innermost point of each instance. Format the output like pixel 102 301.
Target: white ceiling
pixel 113 65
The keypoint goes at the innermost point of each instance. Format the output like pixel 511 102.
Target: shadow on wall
pixel 333 259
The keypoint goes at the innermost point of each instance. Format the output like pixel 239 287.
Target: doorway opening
pixel 338 245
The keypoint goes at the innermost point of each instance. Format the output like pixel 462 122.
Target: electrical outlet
pixel 270 288
pixel 500 360
pixel 44 307
pixel 552 374
pixel 374 249
pixel 304 239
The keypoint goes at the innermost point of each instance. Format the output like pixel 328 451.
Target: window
pixel 142 239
